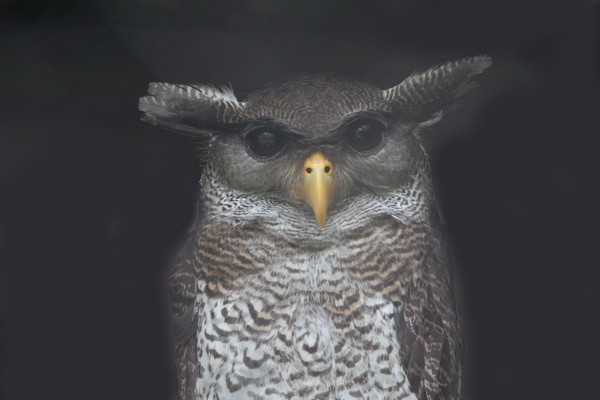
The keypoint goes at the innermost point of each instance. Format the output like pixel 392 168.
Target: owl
pixel 316 268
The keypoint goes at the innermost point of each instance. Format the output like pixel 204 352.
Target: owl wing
pixel 428 329
pixel 182 291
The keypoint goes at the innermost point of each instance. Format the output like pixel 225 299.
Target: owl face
pixel 314 141
pixel 302 154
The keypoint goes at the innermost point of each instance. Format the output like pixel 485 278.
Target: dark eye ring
pixel 366 136
pixel 263 143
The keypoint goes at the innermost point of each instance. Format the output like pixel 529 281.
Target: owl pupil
pixel 265 144
pixel 365 137
pixel 266 140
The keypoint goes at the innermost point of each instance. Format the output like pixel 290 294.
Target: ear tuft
pixel 424 94
pixel 192 109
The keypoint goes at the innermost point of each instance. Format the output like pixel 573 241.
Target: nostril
pixel 308 170
pixel 327 169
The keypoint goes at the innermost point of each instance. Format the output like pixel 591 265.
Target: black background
pixel 93 202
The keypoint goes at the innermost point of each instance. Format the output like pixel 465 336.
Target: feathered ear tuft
pixel 423 95
pixel 190 109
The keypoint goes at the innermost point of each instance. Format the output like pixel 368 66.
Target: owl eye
pixel 265 144
pixel 366 136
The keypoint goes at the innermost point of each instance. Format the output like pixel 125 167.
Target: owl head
pixel 314 141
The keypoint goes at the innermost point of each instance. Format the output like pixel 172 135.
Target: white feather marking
pixel 194 91
pixel 213 93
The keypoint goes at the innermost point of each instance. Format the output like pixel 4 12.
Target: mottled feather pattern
pixel 182 293
pixel 429 331
pixel 268 305
pixel 279 319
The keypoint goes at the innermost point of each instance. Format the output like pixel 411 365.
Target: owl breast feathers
pixel 316 268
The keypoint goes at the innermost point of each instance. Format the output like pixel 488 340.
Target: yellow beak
pixel 318 185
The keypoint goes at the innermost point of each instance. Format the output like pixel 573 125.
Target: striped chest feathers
pixel 303 323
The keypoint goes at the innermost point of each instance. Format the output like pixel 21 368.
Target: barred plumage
pixel 355 301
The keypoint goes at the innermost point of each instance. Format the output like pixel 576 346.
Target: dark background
pixel 93 202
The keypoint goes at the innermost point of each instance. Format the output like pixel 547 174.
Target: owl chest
pixel 308 328
pixel 300 349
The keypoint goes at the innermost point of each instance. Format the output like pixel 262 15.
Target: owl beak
pixel 318 185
